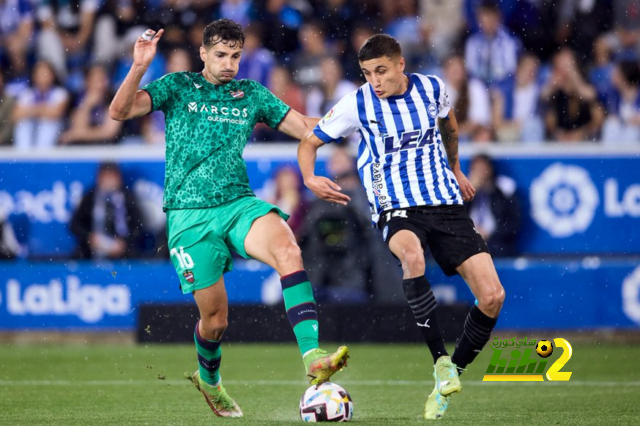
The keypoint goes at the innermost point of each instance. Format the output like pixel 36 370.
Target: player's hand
pixel 144 50
pixel 327 190
pixel 467 190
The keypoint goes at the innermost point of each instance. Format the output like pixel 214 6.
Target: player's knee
pixel 492 300
pixel 214 327
pixel 287 256
pixel 412 262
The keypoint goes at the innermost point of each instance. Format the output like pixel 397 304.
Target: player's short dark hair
pixel 379 45
pixel 223 31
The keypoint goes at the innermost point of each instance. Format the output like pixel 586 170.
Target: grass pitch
pixel 144 385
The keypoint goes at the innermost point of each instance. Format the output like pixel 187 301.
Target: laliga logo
pixel 631 296
pixel 563 200
pixel 89 302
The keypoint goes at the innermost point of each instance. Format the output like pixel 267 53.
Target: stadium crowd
pixel 517 71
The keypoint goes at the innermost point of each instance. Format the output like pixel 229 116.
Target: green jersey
pixel 207 128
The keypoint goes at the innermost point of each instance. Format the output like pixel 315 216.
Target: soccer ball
pixel 544 348
pixel 326 403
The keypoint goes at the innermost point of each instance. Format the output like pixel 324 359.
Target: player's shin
pixel 423 304
pixel 476 334
pixel 301 309
pixel 209 357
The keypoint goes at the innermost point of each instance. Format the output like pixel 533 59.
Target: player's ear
pixel 401 63
pixel 203 53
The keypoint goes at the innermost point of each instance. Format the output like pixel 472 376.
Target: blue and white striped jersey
pixel 401 158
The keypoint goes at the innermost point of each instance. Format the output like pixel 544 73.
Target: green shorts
pixel 200 240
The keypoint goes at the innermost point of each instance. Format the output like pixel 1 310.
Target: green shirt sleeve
pixel 161 92
pixel 271 110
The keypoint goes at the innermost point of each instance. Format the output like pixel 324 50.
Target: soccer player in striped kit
pixel 415 195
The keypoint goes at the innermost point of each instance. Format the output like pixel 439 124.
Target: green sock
pixel 301 309
pixel 209 357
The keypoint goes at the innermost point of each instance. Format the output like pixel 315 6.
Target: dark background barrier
pixel 256 323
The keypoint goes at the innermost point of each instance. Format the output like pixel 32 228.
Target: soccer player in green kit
pixel 209 205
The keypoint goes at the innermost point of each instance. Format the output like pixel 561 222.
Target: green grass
pixel 119 385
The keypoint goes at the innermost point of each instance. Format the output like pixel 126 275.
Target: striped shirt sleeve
pixel 340 122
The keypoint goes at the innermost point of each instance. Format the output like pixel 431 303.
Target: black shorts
pixel 447 230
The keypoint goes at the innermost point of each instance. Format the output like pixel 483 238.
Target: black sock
pixel 423 304
pixel 476 334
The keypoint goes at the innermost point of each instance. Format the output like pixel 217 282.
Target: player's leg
pixel 213 306
pixel 404 234
pixel 269 239
pixel 481 276
pixel 406 246
pixel 200 257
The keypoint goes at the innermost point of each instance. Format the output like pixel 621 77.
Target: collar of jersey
pixel 405 94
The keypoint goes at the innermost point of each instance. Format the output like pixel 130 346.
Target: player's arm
pixel 129 102
pixel 449 130
pixel 296 125
pixel 324 188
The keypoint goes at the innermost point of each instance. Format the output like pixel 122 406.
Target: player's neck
pixel 404 86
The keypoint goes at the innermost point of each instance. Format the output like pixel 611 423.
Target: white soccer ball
pixel 326 403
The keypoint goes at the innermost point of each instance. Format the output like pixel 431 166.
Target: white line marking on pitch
pixel 303 383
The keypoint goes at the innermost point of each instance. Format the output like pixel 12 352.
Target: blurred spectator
pixel 66 29
pixel 283 86
pixel 284 19
pixel 419 53
pixel 7 103
pixel 580 23
pixel 9 246
pixel 118 25
pixel 491 55
pixel 526 126
pixel 256 62
pixel 626 43
pixel 573 112
pixel 240 11
pixel 153 125
pixel 338 17
pixel 627 14
pixel 402 20
pixel 107 221
pixel 90 121
pixel 342 168
pixel 16 32
pixel 289 196
pixel 442 22
pixel 622 126
pixel 332 88
pixel 600 73
pixel 336 241
pixel 469 98
pixel 306 65
pixel 183 21
pixel 352 71
pixel 40 110
pixel 495 209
